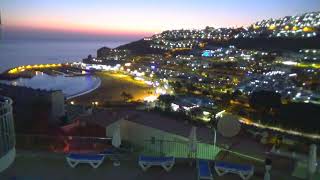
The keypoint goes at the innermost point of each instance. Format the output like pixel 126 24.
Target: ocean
pixel 23 52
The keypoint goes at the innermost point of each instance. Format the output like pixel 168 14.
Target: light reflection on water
pixel 70 86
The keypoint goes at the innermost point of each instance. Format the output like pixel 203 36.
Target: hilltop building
pixel 103 52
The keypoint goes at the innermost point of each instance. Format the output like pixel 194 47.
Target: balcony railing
pixel 7 135
pixel 7 142
pixel 180 149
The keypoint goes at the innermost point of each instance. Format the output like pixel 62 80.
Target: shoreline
pixel 108 87
pixel 86 92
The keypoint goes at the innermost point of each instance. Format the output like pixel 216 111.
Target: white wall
pixel 137 133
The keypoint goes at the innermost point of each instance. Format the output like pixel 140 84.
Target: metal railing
pixel 7 142
pixel 153 147
pixel 179 149
pixel 7 134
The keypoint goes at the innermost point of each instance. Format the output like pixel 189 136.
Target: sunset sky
pixel 139 17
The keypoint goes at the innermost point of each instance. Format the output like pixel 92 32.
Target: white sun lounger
pixel 94 160
pixel 244 171
pixel 147 161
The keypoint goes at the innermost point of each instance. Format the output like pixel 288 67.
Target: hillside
pixel 140 47
pixel 287 33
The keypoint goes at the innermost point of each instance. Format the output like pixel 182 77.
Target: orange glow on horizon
pixel 83 30
pixel 56 24
pixel 122 26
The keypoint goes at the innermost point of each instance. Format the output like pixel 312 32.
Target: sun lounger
pixel 94 160
pixel 244 171
pixel 204 171
pixel 147 161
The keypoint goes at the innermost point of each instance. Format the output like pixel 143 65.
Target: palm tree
pixel 129 97
pixel 126 96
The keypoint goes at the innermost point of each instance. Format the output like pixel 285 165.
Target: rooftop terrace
pixel 52 166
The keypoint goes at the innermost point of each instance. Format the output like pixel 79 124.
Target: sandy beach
pixel 111 88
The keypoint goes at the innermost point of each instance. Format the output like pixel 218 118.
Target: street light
pixel 95 103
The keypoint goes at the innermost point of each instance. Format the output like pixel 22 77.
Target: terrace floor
pixel 52 166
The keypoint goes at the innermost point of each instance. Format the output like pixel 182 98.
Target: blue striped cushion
pixel 233 166
pixel 94 157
